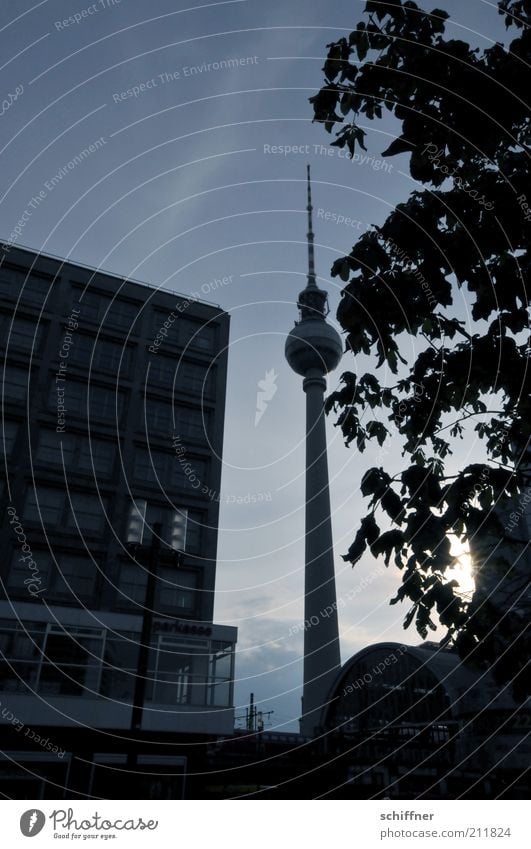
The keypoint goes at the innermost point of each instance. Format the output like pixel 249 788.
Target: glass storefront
pixel 95 662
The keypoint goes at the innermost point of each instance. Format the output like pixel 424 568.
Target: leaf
pixel 409 617
pixel 378 430
pixel 400 145
pixel 362 46
pixel 367 533
pixel 375 482
pixel 386 543
pixel 393 506
pixel 359 135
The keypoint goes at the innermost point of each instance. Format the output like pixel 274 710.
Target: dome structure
pixel 313 345
pixel 414 716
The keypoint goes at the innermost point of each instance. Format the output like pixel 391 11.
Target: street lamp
pixel 135 535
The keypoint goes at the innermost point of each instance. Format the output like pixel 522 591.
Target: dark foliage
pixel 465 125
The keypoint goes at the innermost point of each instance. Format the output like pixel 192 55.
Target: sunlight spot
pixel 463 570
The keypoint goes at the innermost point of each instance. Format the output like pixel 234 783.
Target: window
pixel 149 467
pixel 178 477
pixel 167 470
pixel 119 666
pixel 21 333
pixel 111 313
pixel 99 353
pixel 87 662
pixel 104 403
pixel 77 452
pixel 192 422
pixel 132 585
pixel 16 383
pixel 193 672
pixel 8 435
pixel 50 446
pixel 180 671
pixel 32 288
pixel 90 305
pixel 75 397
pixel 180 375
pixel 36 290
pixel 157 416
pixel 161 371
pixel 176 590
pixel 193 378
pixel 220 673
pixel 188 473
pixel 21 645
pixel 193 531
pixel 48 506
pixel 73 576
pixel 12 280
pixel 73 666
pixel 122 314
pixel 38 577
pixel 168 323
pixel 26 334
pixel 77 577
pixel 97 456
pixel 86 511
pixel 195 335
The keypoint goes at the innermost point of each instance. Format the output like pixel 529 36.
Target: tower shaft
pixel 313 349
pixel 321 637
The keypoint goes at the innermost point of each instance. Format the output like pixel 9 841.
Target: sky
pixel 197 174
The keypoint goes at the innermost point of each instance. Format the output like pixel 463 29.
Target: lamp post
pixel 135 535
pixel 147 627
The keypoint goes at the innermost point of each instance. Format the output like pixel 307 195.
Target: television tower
pixel 314 348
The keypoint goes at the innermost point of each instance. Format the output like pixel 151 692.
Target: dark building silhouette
pixel 113 396
pixel 414 721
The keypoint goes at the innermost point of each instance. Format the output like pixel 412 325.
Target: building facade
pixel 113 396
pixel 415 722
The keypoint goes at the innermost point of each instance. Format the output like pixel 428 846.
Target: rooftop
pixel 95 270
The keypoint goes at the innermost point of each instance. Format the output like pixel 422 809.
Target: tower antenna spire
pixel 313 302
pixel 311 251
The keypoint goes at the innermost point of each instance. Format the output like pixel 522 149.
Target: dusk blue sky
pixel 182 191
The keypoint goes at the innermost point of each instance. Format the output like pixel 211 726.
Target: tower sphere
pixel 313 345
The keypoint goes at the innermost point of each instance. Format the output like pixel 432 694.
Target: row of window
pixel 71 451
pixel 32 288
pixel 21 333
pixel 167 470
pixel 110 405
pixel 57 509
pixel 76 578
pixel 104 355
pixel 91 662
pixel 110 313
